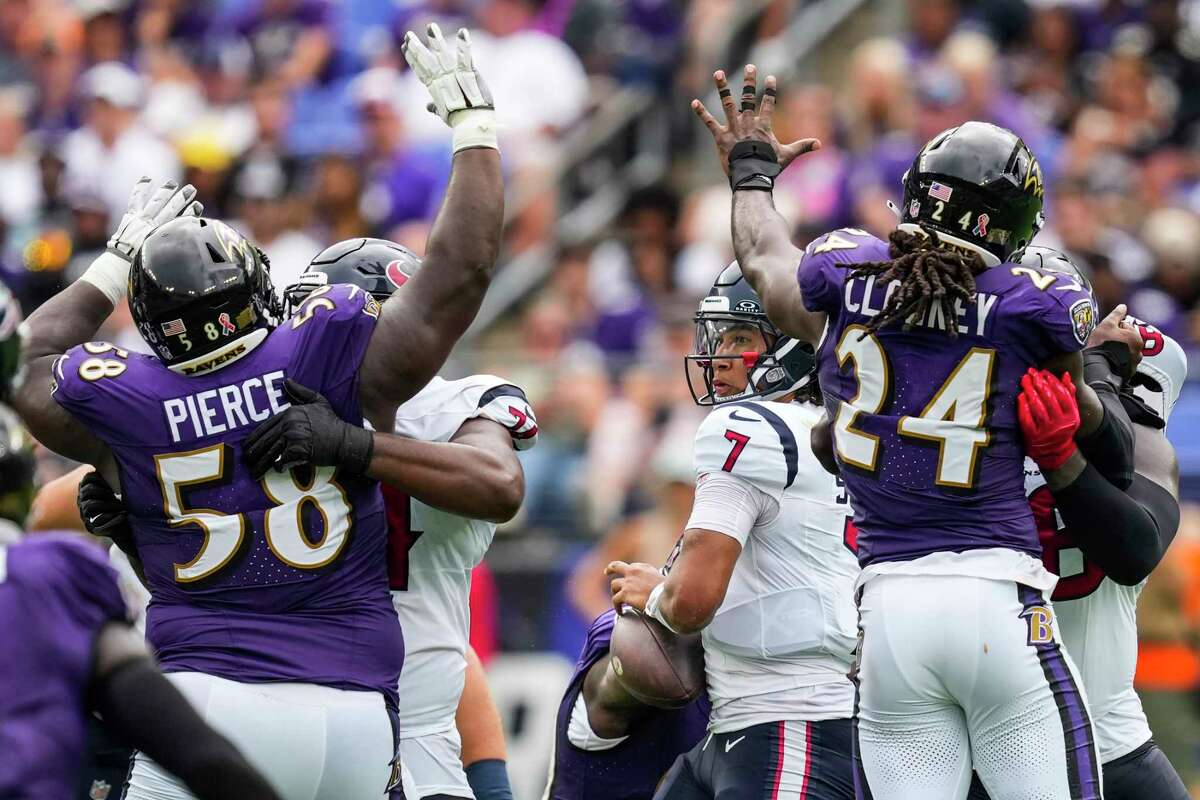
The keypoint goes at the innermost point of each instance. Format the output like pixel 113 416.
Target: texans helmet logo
pixel 395 273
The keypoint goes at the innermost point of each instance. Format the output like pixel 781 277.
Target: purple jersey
pixel 632 769
pixel 56 592
pixel 925 426
pixel 282 579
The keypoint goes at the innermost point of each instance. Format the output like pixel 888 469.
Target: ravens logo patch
pixel 1083 319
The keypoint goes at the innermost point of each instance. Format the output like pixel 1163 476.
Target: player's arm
pixel 143 708
pixel 611 709
pixel 476 474
pixel 482 733
pixel 752 156
pixel 1105 432
pixel 73 316
pixel 1125 533
pixel 687 599
pixel 418 327
pixel 724 511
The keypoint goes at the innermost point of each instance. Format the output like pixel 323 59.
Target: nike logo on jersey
pixel 732 743
pixel 734 415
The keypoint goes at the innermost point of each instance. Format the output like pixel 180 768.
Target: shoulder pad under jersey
pixel 751 441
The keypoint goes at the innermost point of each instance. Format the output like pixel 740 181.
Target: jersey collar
pixel 223 356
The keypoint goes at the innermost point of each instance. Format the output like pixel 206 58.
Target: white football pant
pixel 958 673
pixel 310 742
pixel 435 761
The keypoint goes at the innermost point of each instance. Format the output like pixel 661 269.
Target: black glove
pixel 309 432
pixel 102 512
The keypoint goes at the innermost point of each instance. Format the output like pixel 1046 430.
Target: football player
pixel 70 649
pixel 1104 543
pixel 450 473
pixel 922 342
pixel 268 614
pixel 763 569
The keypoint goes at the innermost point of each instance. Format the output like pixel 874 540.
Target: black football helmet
pixel 1047 259
pixel 786 366
pixel 17 468
pixel 10 339
pixel 376 266
pixel 196 284
pixel 978 186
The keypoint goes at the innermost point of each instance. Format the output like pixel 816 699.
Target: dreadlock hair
pixel 928 271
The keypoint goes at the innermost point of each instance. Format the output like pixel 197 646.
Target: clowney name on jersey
pixel 788 621
pixel 1097 617
pixel 434 551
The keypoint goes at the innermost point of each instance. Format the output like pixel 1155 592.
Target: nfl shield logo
pixel 99 790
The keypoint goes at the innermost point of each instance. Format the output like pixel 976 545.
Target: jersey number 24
pixel 953 419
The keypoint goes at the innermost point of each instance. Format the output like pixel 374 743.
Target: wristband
pixel 474 127
pixel 653 606
pixel 110 274
pixel 753 165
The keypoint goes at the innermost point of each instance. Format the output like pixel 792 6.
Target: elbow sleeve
pixel 1110 447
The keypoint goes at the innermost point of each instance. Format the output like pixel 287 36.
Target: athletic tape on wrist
pixel 753 165
pixel 654 606
pixel 110 274
pixel 474 127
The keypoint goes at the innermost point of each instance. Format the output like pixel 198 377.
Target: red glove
pixel 1049 417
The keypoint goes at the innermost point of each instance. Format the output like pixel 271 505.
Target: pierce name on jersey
pixel 925 425
pixel 225 408
pixel 780 644
pixel 281 579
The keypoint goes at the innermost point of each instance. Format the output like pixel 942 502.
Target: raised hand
pixel 449 75
pixel 1113 328
pixel 147 210
pixel 749 121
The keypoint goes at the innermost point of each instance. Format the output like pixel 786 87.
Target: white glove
pixel 147 210
pixel 455 86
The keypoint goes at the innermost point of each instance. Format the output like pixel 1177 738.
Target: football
pixel 658 667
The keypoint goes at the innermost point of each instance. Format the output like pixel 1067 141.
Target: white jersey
pixel 1097 617
pixel 442 550
pixel 779 646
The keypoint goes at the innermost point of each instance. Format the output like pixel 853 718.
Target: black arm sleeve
pixel 1109 447
pixel 144 709
pixel 1124 533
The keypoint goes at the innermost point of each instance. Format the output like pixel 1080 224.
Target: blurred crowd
pixel 298 121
